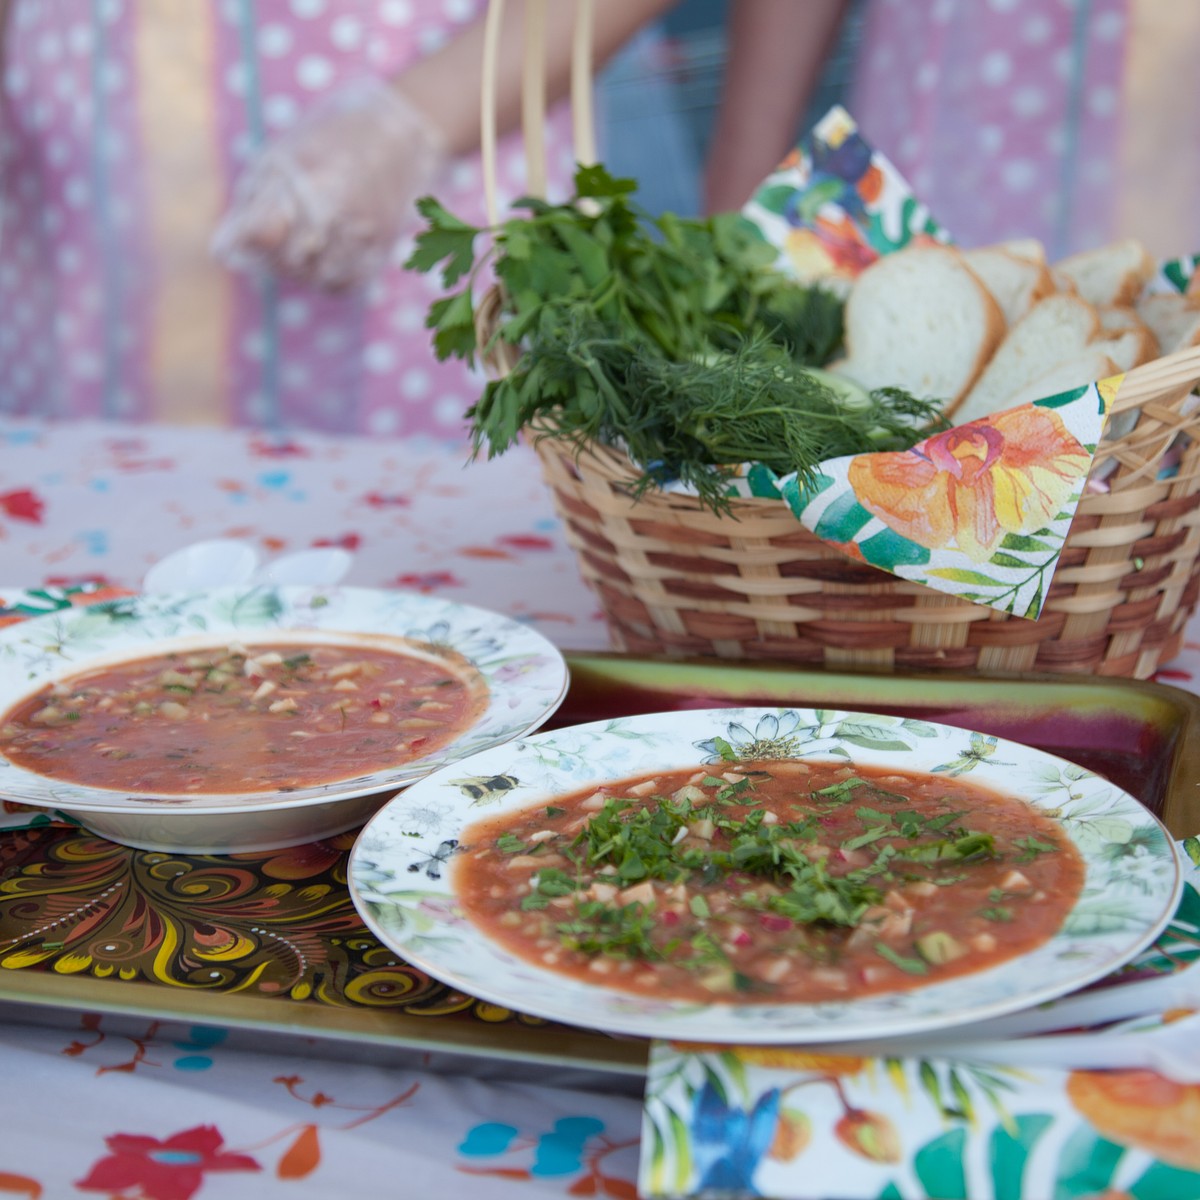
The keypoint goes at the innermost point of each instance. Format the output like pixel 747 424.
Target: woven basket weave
pixel 678 580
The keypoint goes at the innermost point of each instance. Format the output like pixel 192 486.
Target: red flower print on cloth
pixel 172 1169
pixel 526 541
pixel 348 541
pixel 387 500
pixel 23 504
pixel 969 486
pixel 428 581
pixel 268 448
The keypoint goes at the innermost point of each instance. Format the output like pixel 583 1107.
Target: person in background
pixel 1073 123
pixel 774 56
pixel 300 131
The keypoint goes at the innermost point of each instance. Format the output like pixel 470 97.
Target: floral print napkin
pixel 980 511
pixel 798 1124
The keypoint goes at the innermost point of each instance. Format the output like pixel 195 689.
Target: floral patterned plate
pixel 402 879
pixel 525 676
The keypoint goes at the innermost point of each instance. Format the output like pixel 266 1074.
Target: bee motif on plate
pixel 486 789
pixel 432 864
pixel 980 751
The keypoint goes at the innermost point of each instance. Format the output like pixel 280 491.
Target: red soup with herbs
pixel 780 881
pixel 242 718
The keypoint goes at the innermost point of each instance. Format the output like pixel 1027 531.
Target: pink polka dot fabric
pixel 1002 114
pixel 79 277
pixel 70 286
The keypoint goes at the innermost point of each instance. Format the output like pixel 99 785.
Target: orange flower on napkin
pixel 1144 1109
pixel 975 483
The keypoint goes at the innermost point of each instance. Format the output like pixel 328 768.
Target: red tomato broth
pixel 242 719
pixel 745 937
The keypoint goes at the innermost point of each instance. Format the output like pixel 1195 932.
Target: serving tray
pixel 270 942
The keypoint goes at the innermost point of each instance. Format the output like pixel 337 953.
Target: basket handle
pixel 533 95
pixel 1154 379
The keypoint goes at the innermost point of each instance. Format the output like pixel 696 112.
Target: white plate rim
pixel 442 942
pixel 526 674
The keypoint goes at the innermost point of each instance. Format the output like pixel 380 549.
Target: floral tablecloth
pixel 165 1110
pixel 90 501
pixel 171 1110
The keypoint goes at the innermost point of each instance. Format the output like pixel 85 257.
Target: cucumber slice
pixel 852 397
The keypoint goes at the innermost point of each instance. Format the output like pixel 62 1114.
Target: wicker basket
pixel 678 580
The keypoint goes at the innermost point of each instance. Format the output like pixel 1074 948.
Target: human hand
pixel 326 201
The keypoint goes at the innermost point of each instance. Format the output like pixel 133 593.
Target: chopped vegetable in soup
pixel 779 881
pixel 241 719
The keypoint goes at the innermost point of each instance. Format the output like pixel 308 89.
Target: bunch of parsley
pixel 675 339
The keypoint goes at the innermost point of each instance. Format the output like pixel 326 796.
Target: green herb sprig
pixel 674 339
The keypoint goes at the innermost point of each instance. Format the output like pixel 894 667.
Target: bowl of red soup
pixel 253 718
pixel 765 875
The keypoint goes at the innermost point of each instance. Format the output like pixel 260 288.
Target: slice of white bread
pixel 1063 283
pixel 1016 283
pixel 1089 365
pixel 1129 348
pixel 1111 274
pixel 1055 330
pixel 919 319
pixel 1120 318
pixel 1027 248
pixel 1174 319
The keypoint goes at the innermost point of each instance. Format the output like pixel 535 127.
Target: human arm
pixel 326 200
pixel 5 9
pixel 775 53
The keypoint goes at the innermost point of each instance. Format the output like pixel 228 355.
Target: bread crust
pixel 890 282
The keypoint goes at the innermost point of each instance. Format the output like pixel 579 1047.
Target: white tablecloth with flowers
pixel 167 1111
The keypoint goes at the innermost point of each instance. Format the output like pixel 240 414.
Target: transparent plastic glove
pixel 326 201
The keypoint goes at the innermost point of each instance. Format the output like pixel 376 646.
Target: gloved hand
pixel 326 201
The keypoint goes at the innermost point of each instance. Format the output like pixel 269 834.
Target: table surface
pixel 165 1109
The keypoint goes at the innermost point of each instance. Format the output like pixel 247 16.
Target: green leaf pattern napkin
pixel 810 1124
pixel 980 511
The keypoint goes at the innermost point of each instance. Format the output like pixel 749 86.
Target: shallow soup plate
pixel 569 875
pixel 510 677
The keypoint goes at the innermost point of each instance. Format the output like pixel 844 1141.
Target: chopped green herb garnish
pixel 969 846
pixel 913 966
pixel 872 816
pixel 1030 848
pixel 619 932
pixel 816 896
pixel 865 839
pixel 725 750
pixel 736 793
pixel 509 843
pixel 937 824
pixel 841 792
pixel 553 882
pixel 997 912
pixel 705 950
pixel 551 811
